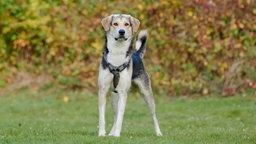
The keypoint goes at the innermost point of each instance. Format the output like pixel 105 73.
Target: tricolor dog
pixel 121 65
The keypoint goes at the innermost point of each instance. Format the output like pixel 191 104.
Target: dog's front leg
pixel 122 97
pixel 102 106
pixel 114 101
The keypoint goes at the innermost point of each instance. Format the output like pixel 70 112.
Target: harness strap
pixel 116 70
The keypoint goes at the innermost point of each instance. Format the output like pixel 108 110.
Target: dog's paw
pixel 114 135
pixel 111 133
pixel 159 134
pixel 102 133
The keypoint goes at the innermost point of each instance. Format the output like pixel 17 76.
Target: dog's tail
pixel 141 43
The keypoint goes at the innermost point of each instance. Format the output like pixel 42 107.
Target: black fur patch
pixel 138 67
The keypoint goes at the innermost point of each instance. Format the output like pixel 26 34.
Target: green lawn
pixel 45 118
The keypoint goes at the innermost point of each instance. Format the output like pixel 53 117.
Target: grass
pixel 27 117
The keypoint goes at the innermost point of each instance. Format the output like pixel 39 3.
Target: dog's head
pixel 120 26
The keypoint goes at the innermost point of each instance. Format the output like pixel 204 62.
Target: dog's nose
pixel 121 31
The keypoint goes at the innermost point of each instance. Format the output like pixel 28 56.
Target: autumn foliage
pixel 194 47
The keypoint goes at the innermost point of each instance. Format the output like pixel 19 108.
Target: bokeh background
pixel 195 47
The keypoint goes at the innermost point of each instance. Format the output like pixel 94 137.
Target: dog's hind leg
pixel 144 85
pixel 114 100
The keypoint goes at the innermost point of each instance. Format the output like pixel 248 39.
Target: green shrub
pixel 192 45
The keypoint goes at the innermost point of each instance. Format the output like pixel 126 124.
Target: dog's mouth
pixel 121 38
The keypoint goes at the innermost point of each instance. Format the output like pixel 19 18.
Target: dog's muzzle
pixel 121 35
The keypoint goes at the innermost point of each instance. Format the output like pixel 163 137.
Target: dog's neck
pixel 118 50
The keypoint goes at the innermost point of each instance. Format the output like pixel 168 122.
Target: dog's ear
pixel 106 22
pixel 135 24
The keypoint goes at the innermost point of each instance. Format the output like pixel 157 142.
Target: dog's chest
pixel 116 58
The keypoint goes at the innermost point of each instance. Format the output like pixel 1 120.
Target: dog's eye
pixel 126 24
pixel 115 24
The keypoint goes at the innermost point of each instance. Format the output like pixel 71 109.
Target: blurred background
pixel 195 47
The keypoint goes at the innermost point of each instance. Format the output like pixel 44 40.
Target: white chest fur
pixel 117 52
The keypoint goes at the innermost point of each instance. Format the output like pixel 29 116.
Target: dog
pixel 122 64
